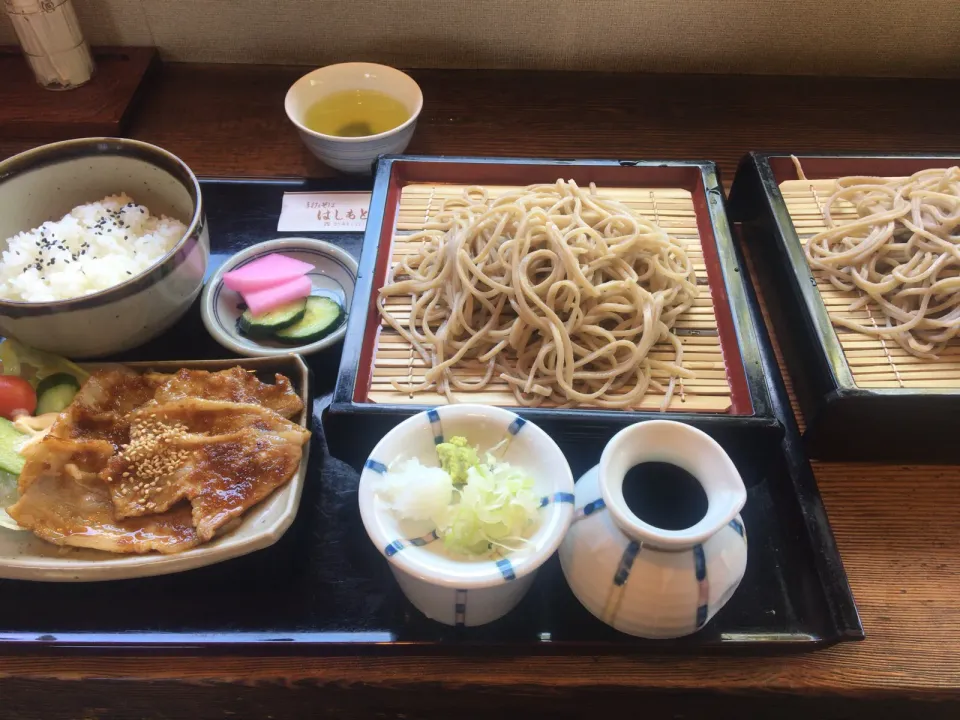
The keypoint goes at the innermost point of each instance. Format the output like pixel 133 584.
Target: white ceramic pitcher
pixel 641 579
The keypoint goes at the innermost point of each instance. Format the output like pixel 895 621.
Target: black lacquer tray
pixel 844 420
pixel 324 588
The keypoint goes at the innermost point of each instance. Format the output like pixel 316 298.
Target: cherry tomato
pixel 16 394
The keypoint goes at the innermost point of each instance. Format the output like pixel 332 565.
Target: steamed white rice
pixel 96 246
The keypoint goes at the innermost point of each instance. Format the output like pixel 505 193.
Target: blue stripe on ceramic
pixel 434 417
pixel 626 562
pixel 699 562
pixel 398 545
pixel 703 590
pixel 592 507
pixel 515 426
pixel 425 540
pixel 376 466
pixel 560 497
pixel 460 608
pixel 506 569
pixel 701 616
pixel 738 526
pixel 588 509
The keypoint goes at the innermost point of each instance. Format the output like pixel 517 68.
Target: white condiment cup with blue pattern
pixel 454 591
pixel 353 154
pixel 641 579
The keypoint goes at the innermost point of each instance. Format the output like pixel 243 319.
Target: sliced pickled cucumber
pixel 268 323
pixel 322 317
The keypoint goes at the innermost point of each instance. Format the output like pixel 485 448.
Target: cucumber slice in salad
pixel 265 325
pixel 322 317
pixel 11 440
pixel 55 392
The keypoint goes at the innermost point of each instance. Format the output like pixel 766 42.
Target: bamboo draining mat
pixel 672 209
pixel 874 362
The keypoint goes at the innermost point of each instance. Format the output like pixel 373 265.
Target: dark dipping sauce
pixel 664 495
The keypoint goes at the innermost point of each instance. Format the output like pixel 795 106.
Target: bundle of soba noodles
pixel 554 289
pixel 902 252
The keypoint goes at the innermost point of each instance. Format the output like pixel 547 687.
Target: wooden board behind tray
pixel 874 362
pixel 672 209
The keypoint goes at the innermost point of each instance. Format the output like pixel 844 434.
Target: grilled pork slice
pixel 116 390
pixel 99 409
pixel 64 501
pixel 223 457
pixel 56 456
pixel 233 385
pixel 79 422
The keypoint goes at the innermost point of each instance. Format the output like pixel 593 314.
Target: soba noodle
pixel 902 252
pixel 556 290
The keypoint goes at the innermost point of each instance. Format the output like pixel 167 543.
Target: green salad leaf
pixel 34 365
pixel 8 496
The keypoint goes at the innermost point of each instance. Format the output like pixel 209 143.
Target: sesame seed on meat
pixel 151 457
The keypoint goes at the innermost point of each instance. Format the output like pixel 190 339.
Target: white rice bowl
pixel 93 248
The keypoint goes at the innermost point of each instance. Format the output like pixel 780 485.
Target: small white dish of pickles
pixel 281 296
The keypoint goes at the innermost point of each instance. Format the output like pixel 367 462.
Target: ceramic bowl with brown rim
pixel 46 183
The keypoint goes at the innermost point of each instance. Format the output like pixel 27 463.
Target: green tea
pixel 355 113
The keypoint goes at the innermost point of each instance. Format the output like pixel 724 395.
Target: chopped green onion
pixel 477 507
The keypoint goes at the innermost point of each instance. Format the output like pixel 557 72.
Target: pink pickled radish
pixel 268 271
pixel 262 301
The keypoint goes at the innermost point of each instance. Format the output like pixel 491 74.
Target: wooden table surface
pixel 897 527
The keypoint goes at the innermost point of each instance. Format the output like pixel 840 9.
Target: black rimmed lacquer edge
pixel 323 588
pixel 843 421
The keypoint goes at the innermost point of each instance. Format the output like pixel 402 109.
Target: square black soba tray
pixel 862 398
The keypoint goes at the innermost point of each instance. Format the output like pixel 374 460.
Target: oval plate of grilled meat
pixel 156 468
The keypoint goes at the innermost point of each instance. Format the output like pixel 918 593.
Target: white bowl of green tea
pixel 348 114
